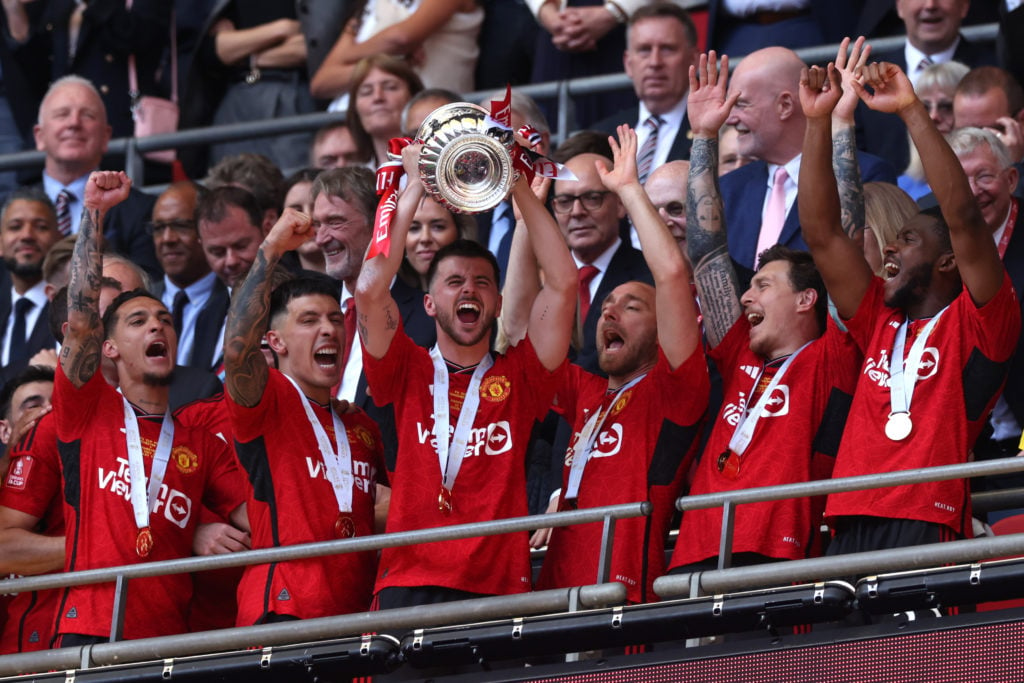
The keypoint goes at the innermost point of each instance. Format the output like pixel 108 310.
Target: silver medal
pixel 898 426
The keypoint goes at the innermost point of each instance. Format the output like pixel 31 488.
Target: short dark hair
pixel 980 80
pixel 803 274
pixel 939 227
pixel 466 248
pixel 110 316
pixel 30 194
pixel 303 175
pixel 33 373
pixel 670 10
pixel 584 142
pixel 353 184
pixel 309 282
pixel 213 207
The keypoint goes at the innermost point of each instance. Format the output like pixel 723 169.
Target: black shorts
pixel 414 596
pixel 861 533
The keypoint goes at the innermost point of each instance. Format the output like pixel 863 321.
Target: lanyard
pixel 744 431
pixel 337 462
pixel 584 446
pixel 143 497
pixel 1011 220
pixel 451 452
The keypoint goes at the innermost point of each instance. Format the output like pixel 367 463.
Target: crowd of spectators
pixel 713 289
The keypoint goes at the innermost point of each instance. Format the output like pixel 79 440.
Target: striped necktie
pixel 645 157
pixel 63 207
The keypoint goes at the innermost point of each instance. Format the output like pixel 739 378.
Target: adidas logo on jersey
pixel 754 372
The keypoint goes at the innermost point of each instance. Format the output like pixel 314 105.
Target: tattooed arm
pixel 844 140
pixel 83 341
pixel 718 287
pixel 244 364
pixel 377 314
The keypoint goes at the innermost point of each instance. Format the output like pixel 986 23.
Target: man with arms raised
pixel 936 334
pixel 787 374
pixel 634 433
pixel 134 477
pixel 313 472
pixel 464 415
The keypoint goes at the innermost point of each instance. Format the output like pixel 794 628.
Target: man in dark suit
pixel 661 45
pixel 933 37
pixel 993 177
pixel 73 132
pixel 344 205
pixel 193 293
pixel 28 228
pixel 771 127
pixel 991 98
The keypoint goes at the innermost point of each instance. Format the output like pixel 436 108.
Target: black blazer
pixel 627 265
pixel 40 338
pixel 209 324
pixel 680 146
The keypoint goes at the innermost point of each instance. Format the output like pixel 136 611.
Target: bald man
pixel 771 126
pixel 190 290
pixel 666 188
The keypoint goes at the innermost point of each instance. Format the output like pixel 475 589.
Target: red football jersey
pixel 98 513
pixel 960 375
pixel 796 440
pixel 32 486
pixel 642 452
pixel 291 501
pixel 514 393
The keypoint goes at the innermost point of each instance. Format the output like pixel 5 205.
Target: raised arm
pixel 717 284
pixel 840 261
pixel 80 353
pixel 552 314
pixel 977 257
pixel 377 312
pixel 844 140
pixel 678 332
pixel 244 365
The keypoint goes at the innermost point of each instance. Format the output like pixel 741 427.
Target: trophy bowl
pixel 466 161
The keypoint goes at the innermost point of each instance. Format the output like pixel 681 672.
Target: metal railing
pixel 560 91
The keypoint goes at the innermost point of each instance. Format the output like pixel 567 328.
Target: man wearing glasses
pixel 589 217
pixel 197 299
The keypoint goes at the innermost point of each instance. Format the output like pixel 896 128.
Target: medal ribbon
pixel 903 376
pixel 141 496
pixel 1011 221
pixel 584 446
pixel 337 463
pixel 744 432
pixel 450 454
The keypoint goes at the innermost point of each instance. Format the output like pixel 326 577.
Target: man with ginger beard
pixel 477 472
pixel 634 433
pixel 113 518
pixel 787 371
pixel 305 485
pixel 946 312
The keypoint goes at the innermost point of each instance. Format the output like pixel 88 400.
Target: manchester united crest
pixel 364 435
pixel 184 459
pixel 495 389
pixel 621 402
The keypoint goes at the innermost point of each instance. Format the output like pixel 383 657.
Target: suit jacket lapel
pixel 208 325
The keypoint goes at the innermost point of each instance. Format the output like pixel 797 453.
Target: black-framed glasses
pixel 179 226
pixel 592 201
pixel 674 209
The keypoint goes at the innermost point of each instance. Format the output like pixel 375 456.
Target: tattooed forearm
pixel 244 365
pixel 391 320
pixel 80 355
pixel 847 172
pixel 718 288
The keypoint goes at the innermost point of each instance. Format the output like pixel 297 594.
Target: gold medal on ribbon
pixel 444 501
pixel 144 542
pixel 344 526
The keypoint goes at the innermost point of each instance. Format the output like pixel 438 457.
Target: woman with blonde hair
pixel 887 208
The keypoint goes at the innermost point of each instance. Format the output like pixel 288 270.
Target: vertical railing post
pixel 725 545
pixel 604 560
pixel 120 601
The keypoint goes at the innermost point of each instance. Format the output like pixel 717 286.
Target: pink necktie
pixel 774 214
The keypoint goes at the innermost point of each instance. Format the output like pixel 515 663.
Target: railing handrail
pixel 820 487
pixel 319 549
